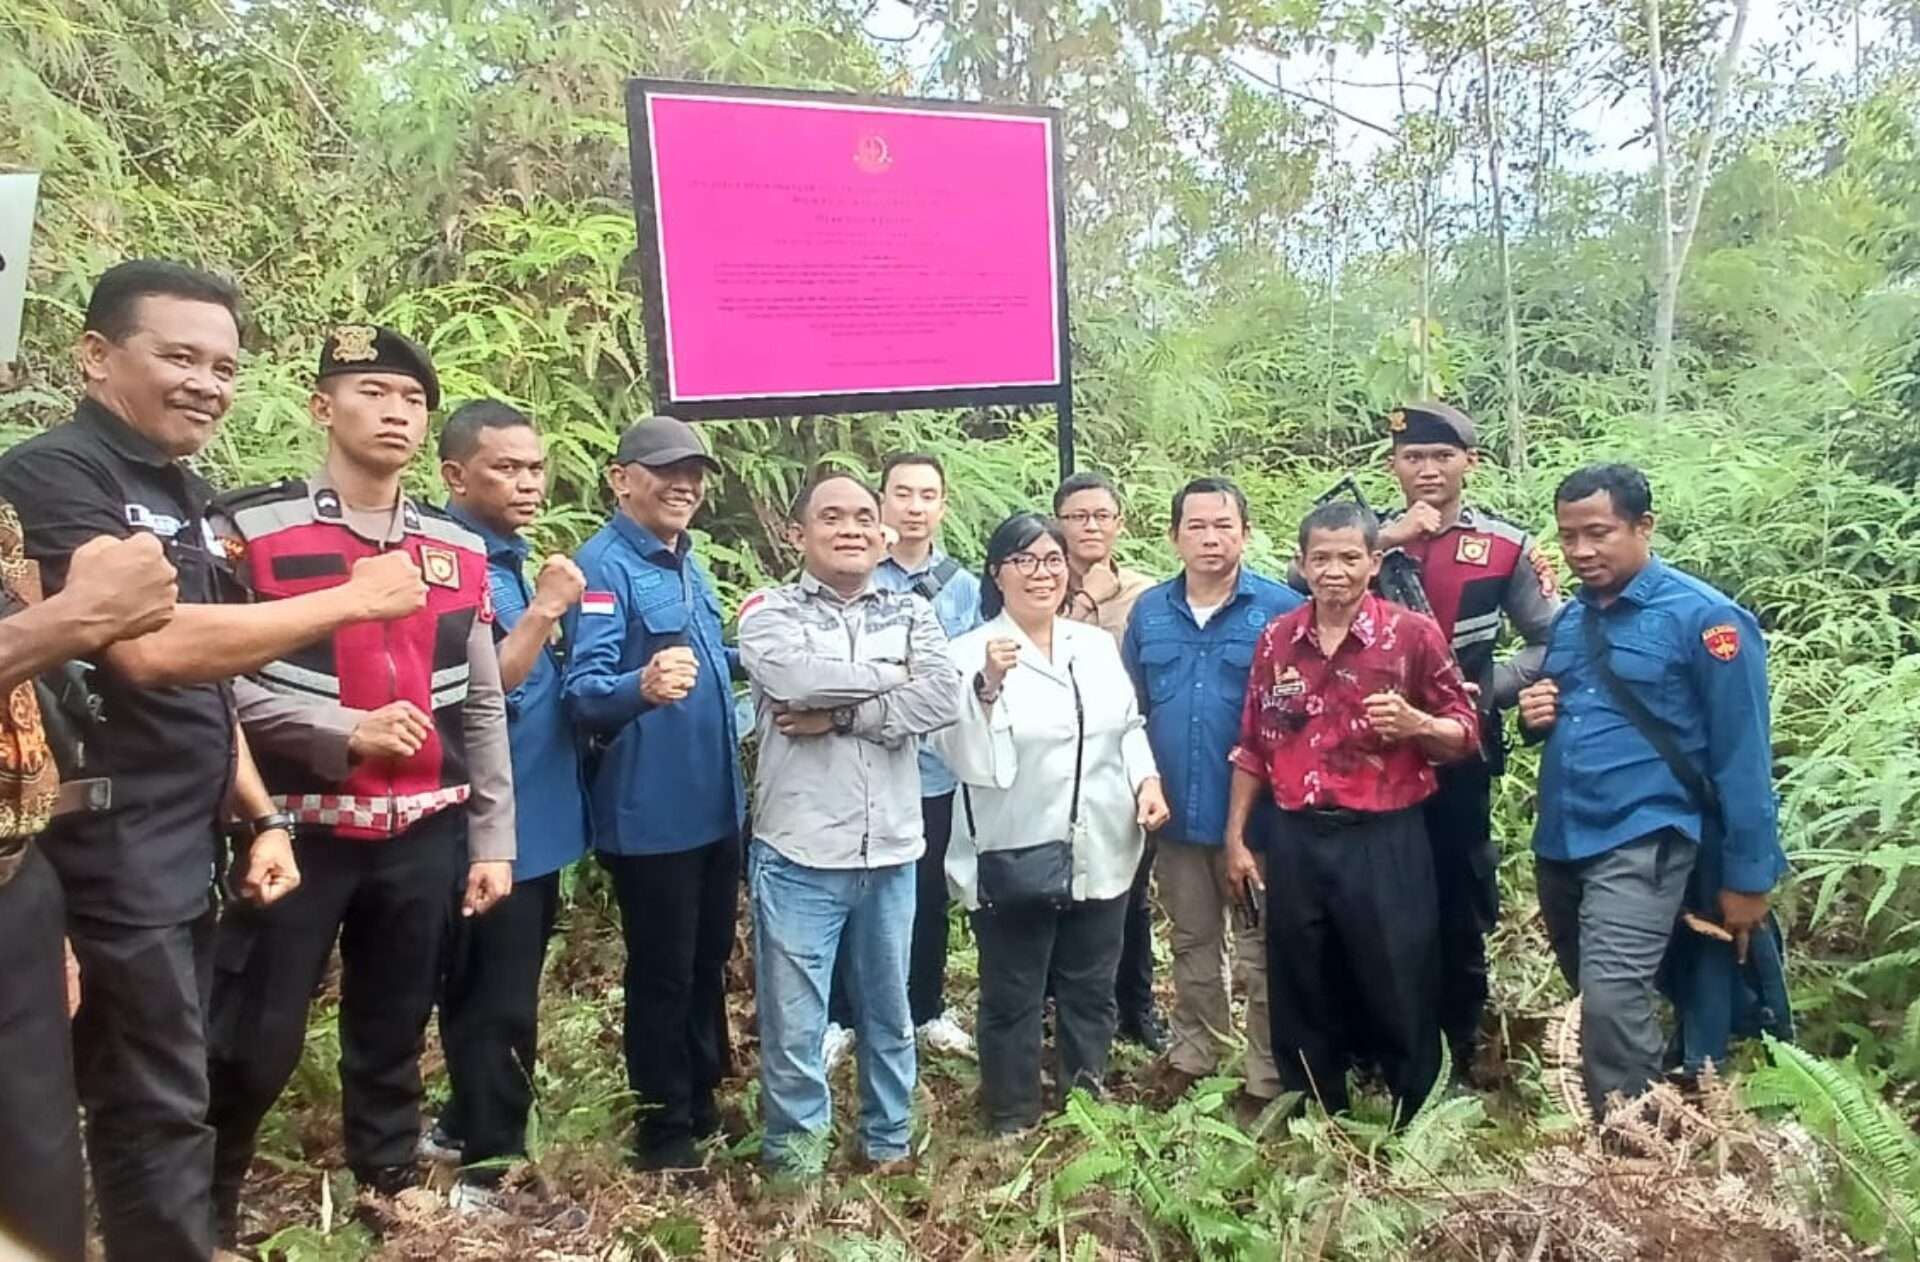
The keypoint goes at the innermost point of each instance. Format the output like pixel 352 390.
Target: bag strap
pixel 933 582
pixel 1079 749
pixel 1657 733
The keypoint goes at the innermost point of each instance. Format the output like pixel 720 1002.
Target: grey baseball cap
pixel 661 440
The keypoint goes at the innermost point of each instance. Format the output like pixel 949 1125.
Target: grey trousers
pixel 1610 918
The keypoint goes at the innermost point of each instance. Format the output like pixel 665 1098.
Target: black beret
pixel 354 348
pixel 1431 422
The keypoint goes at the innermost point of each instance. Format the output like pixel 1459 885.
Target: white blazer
pixel 1015 763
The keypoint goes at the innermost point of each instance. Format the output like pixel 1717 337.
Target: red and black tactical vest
pixel 292 538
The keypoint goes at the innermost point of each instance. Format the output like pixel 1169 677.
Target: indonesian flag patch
pixel 1722 641
pixel 597 602
pixel 752 603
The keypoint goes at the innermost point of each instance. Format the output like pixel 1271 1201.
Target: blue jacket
pixel 1696 659
pixel 550 810
pixel 1192 683
pixel 957 606
pixel 668 777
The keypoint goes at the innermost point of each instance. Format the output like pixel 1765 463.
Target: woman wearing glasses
pixel 1057 782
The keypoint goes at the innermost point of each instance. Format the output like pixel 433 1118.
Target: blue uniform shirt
pixel 549 809
pixel 668 778
pixel 1192 683
pixel 1697 661
pixel 957 606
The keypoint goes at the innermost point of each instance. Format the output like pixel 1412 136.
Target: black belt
pixel 1333 816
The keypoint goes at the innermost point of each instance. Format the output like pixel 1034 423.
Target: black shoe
pixel 1144 1028
pixel 678 1153
pixel 387 1180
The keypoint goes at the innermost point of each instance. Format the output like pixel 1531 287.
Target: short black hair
pixel 803 501
pixel 899 458
pixel 1624 485
pixel 1085 480
pixel 112 307
pixel 1016 534
pixel 1342 515
pixel 1210 486
pixel 460 436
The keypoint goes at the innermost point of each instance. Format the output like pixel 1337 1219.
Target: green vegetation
pixel 1250 292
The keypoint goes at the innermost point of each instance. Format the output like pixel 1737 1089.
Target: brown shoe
pixel 1247 1108
pixel 1165 1084
pixel 896 1168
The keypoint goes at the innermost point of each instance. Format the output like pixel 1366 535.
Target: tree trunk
pixel 1516 432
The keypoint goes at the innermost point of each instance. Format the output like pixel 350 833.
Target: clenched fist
pixel 669 675
pixel 1394 718
pixel 128 584
pixel 388 586
pixel 1539 705
pixel 557 587
pixel 1002 656
pixel 396 730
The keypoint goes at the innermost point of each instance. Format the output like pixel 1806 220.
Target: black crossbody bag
pixel 1037 877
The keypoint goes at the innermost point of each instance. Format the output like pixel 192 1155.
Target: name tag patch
pixel 1289 684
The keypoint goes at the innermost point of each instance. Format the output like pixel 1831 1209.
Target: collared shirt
pixel 668 778
pixel 169 752
pixel 29 782
pixel 1016 759
pixel 1105 596
pixel 1304 730
pixel 957 606
pixel 550 808
pixel 1698 662
pixel 844 799
pixel 1477 569
pixel 1191 681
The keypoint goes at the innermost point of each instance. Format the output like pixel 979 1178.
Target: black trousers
pixel 1466 873
pixel 678 912
pixel 390 904
pixel 1353 953
pixel 489 1018
pixel 1133 982
pixel 43 1204
pixel 927 959
pixel 1021 952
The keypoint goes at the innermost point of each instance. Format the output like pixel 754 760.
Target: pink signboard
pixel 817 253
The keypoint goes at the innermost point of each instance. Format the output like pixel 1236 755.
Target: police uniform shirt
pixel 148 859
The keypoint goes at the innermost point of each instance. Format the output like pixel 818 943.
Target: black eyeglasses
pixel 1028 564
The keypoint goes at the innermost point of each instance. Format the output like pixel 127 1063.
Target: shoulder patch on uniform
pixel 1722 640
pixel 592 602
pixel 752 603
pixel 230 502
pixel 1543 570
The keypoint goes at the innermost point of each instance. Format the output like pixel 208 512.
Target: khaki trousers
pixel 1190 880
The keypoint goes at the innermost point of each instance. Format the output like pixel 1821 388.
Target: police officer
pixel 159 354
pixel 388 748
pixel 496 477
pixel 1644 657
pixel 1188 648
pixel 1474 567
pixel 650 676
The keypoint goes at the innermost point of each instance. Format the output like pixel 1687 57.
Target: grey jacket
pixel 844 800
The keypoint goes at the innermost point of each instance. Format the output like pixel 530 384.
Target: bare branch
pixel 1309 99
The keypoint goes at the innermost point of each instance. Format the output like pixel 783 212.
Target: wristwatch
pixel 843 719
pixel 277 820
pixel 987 695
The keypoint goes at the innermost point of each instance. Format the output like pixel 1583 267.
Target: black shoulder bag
pixel 1037 877
pixel 932 583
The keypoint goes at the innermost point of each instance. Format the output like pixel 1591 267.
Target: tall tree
pixel 1496 160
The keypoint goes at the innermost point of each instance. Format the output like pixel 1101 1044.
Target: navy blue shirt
pixel 669 777
pixel 1697 661
pixel 1192 682
pixel 550 810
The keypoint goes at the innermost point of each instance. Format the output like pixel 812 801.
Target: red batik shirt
pixel 1304 730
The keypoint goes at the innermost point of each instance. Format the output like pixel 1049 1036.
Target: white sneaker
pixel 945 1034
pixel 838 1043
pixel 476 1200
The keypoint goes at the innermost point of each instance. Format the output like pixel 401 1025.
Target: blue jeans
pixel 799 916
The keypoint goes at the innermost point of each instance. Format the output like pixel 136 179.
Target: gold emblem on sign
pixel 1397 420
pixel 440 567
pixel 873 155
pixel 353 344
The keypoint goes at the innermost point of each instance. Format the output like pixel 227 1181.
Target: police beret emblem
pixel 353 344
pixel 1397 420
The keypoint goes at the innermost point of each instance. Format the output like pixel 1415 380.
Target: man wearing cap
pixel 650 678
pixel 159 355
pixel 1474 567
pixel 387 746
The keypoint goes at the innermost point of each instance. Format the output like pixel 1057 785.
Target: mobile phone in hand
pixel 1247 906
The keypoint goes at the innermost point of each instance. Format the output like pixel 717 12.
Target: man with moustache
pixel 388 748
pixel 159 355
pixel 1351 701
pixel 495 471
pixel 1103 592
pixel 1188 646
pixel 650 677
pixel 1475 568
pixel 847 678
pixel 913 503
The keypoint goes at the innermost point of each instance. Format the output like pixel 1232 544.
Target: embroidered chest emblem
pixel 1473 550
pixel 440 567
